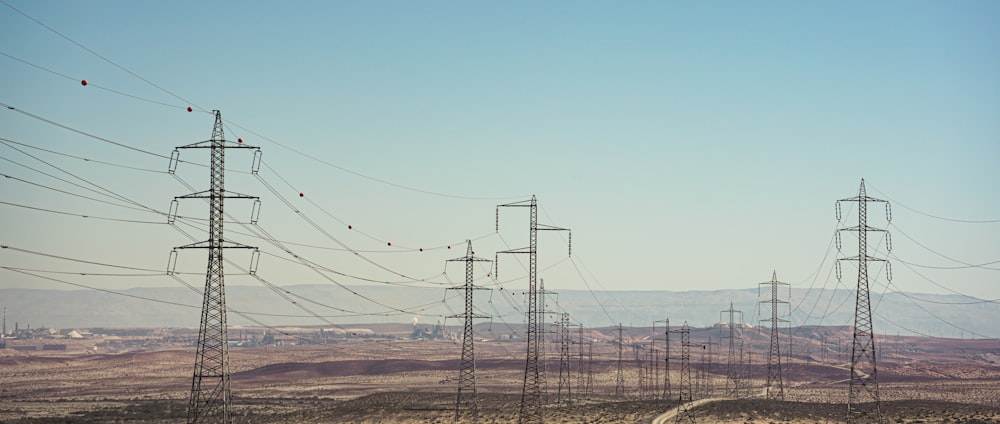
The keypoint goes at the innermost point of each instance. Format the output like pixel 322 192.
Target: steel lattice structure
pixel 564 361
pixel 467 399
pixel 620 376
pixel 775 388
pixel 734 379
pixel 530 410
pixel 666 360
pixel 685 396
pixel 863 403
pixel 211 396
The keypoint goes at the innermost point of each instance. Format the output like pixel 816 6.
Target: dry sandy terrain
pixel 381 380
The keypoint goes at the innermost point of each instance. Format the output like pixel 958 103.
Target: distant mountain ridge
pixel 929 314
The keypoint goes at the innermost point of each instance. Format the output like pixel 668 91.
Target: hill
pixel 935 315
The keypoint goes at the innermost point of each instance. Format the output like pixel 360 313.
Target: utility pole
pixel 467 399
pixel 863 404
pixel 211 396
pixel 733 377
pixel 530 410
pixel 775 387
pixel 620 376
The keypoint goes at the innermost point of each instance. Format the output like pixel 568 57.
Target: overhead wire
pixel 102 57
pixel 136 97
pixel 965 221
pixel 10 107
pixel 894 226
pixel 91 83
pixel 86 216
pixel 84 133
pixel 174 95
pixel 85 159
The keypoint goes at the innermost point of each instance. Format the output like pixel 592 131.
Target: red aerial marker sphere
pixel 449 247
pixel 84 82
pixel 239 140
pixel 350 227
pixel 190 109
pixel 421 249
pixel 302 195
pixel 389 243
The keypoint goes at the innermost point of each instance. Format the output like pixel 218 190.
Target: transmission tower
pixel 620 376
pixel 667 395
pixel 564 361
pixel 733 376
pixel 775 387
pixel 581 379
pixel 684 397
pixel 706 364
pixel 590 368
pixel 863 404
pixel 640 371
pixel 467 399
pixel 211 398
pixel 543 330
pixel 531 392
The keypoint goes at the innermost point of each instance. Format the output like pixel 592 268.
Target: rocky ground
pixel 409 381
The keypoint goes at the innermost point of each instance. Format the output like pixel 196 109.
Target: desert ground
pixel 385 376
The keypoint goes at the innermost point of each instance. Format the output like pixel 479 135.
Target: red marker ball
pixel 190 109
pixel 240 140
pixel 302 195
pixel 389 243
pixel 449 247
pixel 350 227
pixel 421 249
pixel 84 82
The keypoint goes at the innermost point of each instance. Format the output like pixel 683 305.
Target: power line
pixel 82 215
pixel 978 300
pixel 365 176
pixel 166 302
pixel 172 94
pixel 81 132
pixel 941 254
pixel 157 171
pixel 93 52
pixel 965 221
pixel 91 83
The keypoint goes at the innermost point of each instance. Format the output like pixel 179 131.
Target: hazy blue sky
pixel 695 145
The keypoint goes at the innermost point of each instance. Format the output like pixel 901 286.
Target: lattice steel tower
pixel 734 379
pixel 467 400
pixel 564 361
pixel 531 392
pixel 666 360
pixel 775 388
pixel 684 397
pixel 620 376
pixel 863 404
pixel 211 397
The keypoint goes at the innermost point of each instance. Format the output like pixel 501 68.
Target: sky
pixel 687 145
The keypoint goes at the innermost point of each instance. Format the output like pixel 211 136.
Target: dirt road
pixel 669 415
